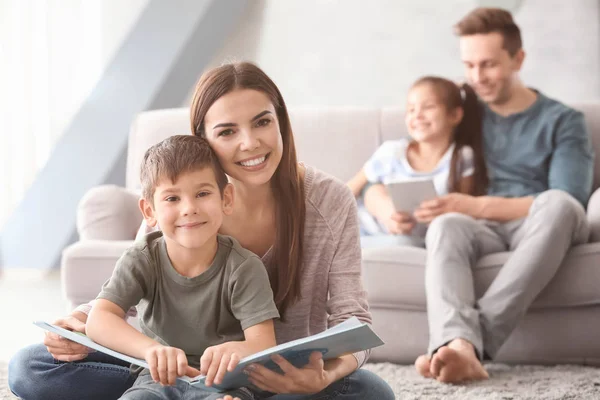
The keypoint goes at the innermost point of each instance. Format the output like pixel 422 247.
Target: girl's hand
pixel 453 202
pixel 399 223
pixel 310 379
pixel 220 359
pixel 167 363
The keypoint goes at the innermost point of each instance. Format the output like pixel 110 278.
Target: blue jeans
pixel 33 374
pixel 145 388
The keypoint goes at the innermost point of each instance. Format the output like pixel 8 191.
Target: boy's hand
pixel 217 360
pixel 167 363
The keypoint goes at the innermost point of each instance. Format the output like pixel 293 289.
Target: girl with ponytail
pixel 444 122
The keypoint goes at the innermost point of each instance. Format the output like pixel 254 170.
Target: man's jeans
pixel 33 374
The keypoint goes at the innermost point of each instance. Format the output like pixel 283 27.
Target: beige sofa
pixel 563 325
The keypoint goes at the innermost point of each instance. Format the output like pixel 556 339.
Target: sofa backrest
pixel 591 111
pixel 147 129
pixel 336 140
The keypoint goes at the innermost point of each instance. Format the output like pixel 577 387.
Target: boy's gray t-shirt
pixel 192 313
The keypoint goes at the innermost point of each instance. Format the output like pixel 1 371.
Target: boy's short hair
pixel 176 155
pixel 487 20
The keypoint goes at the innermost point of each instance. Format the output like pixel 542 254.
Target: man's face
pixel 489 68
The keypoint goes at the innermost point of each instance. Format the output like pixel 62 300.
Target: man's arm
pixel 572 163
pixel 502 209
pixel 485 207
pixel 571 170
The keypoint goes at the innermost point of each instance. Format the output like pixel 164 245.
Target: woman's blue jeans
pixel 33 374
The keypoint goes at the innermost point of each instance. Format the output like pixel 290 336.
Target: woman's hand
pixel 63 349
pixel 310 379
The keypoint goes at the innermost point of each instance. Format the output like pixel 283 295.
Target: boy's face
pixel 190 210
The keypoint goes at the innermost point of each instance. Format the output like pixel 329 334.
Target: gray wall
pixel 352 52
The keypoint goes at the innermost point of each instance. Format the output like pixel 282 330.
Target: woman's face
pixel 243 130
pixel 427 118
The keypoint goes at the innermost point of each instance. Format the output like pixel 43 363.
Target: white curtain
pixel 52 53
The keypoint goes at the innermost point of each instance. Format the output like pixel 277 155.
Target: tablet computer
pixel 407 195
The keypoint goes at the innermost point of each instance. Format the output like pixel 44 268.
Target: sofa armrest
pixel 86 265
pixel 593 214
pixel 108 212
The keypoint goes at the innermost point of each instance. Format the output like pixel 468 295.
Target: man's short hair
pixel 174 156
pixel 485 20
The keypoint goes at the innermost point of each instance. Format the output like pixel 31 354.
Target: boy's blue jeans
pixel 33 374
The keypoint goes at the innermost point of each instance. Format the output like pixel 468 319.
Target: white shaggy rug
pixel 505 383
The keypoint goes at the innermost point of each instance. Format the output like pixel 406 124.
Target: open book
pixel 348 337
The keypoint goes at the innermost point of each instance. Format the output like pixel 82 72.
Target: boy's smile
pixel 189 210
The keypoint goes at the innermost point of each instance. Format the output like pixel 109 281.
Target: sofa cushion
pixel 394 278
pixel 108 212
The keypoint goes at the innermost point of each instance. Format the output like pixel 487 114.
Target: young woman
pixel 445 144
pixel 301 222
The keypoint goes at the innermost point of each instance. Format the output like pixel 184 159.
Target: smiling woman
pixel 301 222
pixel 243 124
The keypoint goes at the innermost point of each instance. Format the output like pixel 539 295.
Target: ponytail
pixel 469 133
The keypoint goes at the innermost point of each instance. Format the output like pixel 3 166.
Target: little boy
pixel 203 300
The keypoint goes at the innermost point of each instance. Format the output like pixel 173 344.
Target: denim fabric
pixel 145 388
pixel 33 374
pixel 359 385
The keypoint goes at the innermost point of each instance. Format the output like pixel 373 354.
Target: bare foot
pixel 456 363
pixel 423 364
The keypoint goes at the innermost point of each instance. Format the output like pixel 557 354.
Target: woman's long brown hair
pixel 467 133
pixel 288 187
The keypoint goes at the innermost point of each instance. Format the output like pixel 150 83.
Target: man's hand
pixel 167 363
pixel 63 349
pixel 453 202
pixel 223 358
pixel 310 379
pixel 399 223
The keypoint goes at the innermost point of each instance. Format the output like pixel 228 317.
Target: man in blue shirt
pixel 540 160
